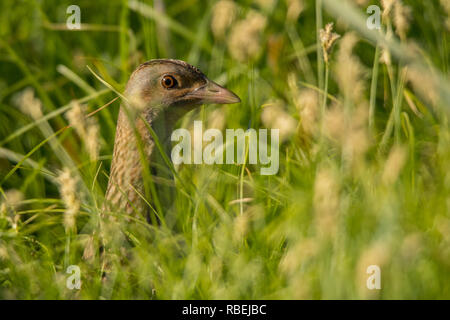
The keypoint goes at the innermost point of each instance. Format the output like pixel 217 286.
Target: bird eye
pixel 168 82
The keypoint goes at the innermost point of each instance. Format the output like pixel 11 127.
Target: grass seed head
pixel 377 254
pixel 387 7
pixel 68 192
pixel 265 4
pixel 326 202
pixel 29 104
pixel 394 164
pixel 223 15
pixel 294 9
pixel 327 40
pixel 217 119
pixel 275 117
pixel 424 84
pixel 245 39
pixel 350 72
pixel 446 5
pixel 86 128
pixel 402 16
pixel 92 139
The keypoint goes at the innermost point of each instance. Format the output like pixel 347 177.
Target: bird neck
pixel 125 185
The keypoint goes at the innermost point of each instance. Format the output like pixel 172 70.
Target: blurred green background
pixel 364 173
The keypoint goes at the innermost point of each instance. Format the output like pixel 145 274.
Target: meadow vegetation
pixel 364 173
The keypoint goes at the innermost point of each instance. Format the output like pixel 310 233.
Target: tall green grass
pixel 371 186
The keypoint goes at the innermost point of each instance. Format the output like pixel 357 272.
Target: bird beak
pixel 213 93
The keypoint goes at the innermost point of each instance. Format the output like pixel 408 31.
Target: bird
pixel 159 92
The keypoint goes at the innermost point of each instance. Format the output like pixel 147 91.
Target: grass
pixel 370 186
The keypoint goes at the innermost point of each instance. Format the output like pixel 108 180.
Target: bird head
pixel 174 85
